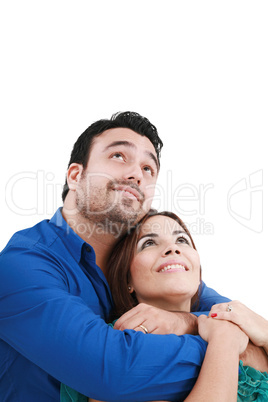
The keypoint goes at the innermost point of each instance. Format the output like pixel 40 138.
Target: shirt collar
pixel 72 241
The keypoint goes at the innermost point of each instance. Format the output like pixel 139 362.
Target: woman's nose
pixel 172 249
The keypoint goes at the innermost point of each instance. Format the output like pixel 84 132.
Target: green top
pixel 252 385
pixel 68 394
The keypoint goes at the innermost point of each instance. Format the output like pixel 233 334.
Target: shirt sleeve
pixel 59 333
pixel 208 297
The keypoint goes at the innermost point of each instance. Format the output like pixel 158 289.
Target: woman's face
pixel 165 271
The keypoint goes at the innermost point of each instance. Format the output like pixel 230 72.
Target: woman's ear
pixel 130 289
pixel 73 175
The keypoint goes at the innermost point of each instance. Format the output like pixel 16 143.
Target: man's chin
pixel 126 214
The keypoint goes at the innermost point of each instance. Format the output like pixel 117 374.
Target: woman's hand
pixel 255 326
pixel 222 332
pixel 217 380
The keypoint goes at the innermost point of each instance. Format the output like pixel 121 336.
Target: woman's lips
pixel 173 266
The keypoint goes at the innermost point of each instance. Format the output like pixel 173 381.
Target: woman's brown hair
pixel 118 268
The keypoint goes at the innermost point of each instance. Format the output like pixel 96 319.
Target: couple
pixel 55 299
pixel 158 264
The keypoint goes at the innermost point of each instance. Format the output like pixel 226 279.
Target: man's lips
pixel 130 192
pixel 173 266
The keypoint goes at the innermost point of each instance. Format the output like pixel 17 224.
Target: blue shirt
pixel 54 301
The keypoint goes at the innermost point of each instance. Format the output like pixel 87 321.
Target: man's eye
pixel 149 170
pixel 117 155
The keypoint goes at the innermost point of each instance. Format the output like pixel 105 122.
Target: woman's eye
pixel 147 243
pixel 182 240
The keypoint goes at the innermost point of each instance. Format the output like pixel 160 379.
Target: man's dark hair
pixel 133 121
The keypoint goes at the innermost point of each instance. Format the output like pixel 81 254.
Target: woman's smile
pixel 173 266
pixel 163 247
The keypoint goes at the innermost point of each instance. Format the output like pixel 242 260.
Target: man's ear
pixel 73 175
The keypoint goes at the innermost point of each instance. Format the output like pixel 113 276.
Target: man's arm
pixel 60 334
pixel 159 321
pixel 208 297
pixel 256 357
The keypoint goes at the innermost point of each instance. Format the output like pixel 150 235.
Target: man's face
pixel 118 183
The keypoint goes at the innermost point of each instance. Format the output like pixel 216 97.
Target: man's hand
pixel 157 321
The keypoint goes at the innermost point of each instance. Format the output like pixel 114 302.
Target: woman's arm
pixel 255 326
pixel 218 377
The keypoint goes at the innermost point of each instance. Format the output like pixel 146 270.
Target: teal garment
pixel 252 385
pixel 68 394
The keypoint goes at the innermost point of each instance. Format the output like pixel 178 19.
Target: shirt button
pixel 88 249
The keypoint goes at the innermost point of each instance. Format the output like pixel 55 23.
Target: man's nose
pixel 134 174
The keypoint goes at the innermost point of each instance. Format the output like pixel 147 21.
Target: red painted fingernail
pixel 214 315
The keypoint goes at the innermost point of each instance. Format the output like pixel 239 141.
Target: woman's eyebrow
pixel 148 235
pixel 176 232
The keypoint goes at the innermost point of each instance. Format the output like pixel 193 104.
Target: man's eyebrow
pixel 117 143
pixel 133 146
pixel 152 156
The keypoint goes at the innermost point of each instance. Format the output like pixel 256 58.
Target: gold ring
pixel 144 329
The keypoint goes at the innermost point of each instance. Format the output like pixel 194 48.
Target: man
pixel 54 298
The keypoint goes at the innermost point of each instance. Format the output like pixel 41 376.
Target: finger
pixel 154 330
pixel 227 316
pixel 139 329
pixel 219 307
pixel 130 323
pixel 133 321
pixel 151 326
pixel 202 318
pixel 130 315
pixel 145 328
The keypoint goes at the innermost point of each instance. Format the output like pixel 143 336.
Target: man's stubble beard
pixel 102 207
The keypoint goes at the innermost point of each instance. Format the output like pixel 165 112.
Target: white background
pixel 196 69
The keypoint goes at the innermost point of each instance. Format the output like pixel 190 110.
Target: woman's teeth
pixel 173 266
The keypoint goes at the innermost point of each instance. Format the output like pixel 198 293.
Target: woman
pixel 158 264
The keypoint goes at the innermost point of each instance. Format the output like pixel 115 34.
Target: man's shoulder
pixel 50 241
pixel 40 234
pixel 35 255
pixel 208 297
